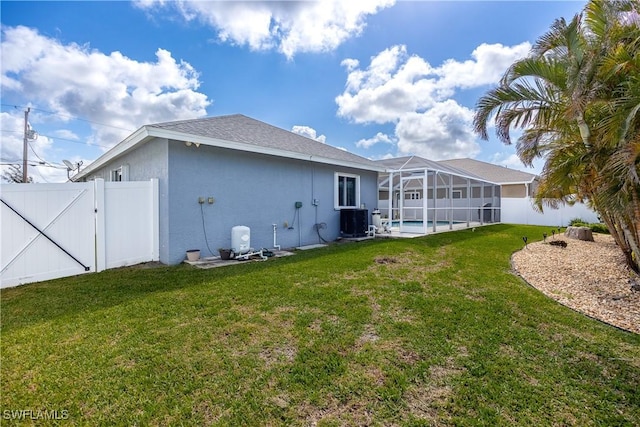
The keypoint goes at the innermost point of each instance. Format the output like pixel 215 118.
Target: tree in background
pixel 13 174
pixel 576 98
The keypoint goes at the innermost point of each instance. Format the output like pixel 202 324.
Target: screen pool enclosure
pixel 417 195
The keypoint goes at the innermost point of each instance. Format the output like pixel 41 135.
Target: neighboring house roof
pixel 241 133
pixel 491 172
pixel 415 162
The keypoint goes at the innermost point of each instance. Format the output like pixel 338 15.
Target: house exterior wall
pixel 253 190
pixel 249 189
pixel 514 190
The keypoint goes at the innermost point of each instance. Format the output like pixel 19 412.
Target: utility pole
pixel 24 147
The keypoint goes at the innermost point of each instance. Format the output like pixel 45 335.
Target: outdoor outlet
pixel 315 202
pixel 211 200
pixel 201 200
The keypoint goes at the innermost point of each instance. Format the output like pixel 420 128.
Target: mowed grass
pixel 427 331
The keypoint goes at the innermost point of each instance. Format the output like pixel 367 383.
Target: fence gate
pixel 59 230
pixel 47 231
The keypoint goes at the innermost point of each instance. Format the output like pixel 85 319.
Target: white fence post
pixel 101 241
pixel 155 222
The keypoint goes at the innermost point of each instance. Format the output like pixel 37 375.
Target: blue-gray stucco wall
pixel 253 190
pixel 249 189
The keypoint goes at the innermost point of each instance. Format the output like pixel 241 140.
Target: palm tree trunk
pixel 616 231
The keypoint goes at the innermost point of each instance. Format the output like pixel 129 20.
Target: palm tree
pixel 576 98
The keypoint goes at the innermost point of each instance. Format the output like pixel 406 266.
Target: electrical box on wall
pixel 298 205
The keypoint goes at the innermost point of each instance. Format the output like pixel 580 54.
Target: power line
pixel 36 154
pixel 34 164
pixel 67 116
pixel 60 138
pixel 43 178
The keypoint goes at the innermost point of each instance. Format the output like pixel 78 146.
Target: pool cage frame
pixel 430 198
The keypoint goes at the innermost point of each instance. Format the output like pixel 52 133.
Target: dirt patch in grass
pixel 352 412
pixel 427 401
pixel 385 260
pixel 410 265
pixel 147 265
pixel 284 353
pixel 208 411
pixel 369 335
pixel 265 334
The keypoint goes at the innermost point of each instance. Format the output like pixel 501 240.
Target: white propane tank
pixel 240 239
pixel 375 218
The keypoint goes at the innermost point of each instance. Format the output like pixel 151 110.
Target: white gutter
pixel 146 133
pixel 118 150
pixel 475 178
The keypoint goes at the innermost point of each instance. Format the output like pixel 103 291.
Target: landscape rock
pixel 589 277
pixel 580 233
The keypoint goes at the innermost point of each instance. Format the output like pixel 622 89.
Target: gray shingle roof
pixel 415 162
pixel 242 129
pixel 489 171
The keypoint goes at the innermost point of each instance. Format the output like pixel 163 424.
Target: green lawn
pixel 427 331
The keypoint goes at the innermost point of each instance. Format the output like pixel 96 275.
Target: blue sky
pixel 378 78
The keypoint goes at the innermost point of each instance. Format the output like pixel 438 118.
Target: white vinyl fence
pixel 521 211
pixel 59 230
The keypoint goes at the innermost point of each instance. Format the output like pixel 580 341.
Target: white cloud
pixel 110 89
pixel 489 63
pixel 66 134
pixel 309 133
pixel 393 84
pixel 442 132
pixel 350 64
pixel 378 138
pixel 289 27
pixel 409 92
pixel 511 160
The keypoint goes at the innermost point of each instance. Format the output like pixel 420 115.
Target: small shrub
pixel 599 228
pixel 596 227
pixel 577 222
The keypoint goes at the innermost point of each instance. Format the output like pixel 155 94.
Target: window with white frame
pixel 120 174
pixel 412 195
pixel 457 194
pixel 116 174
pixel 346 190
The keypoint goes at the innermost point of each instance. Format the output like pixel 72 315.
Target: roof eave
pixel 139 136
pixel 145 133
pixel 519 182
pixel 419 169
pixel 241 146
